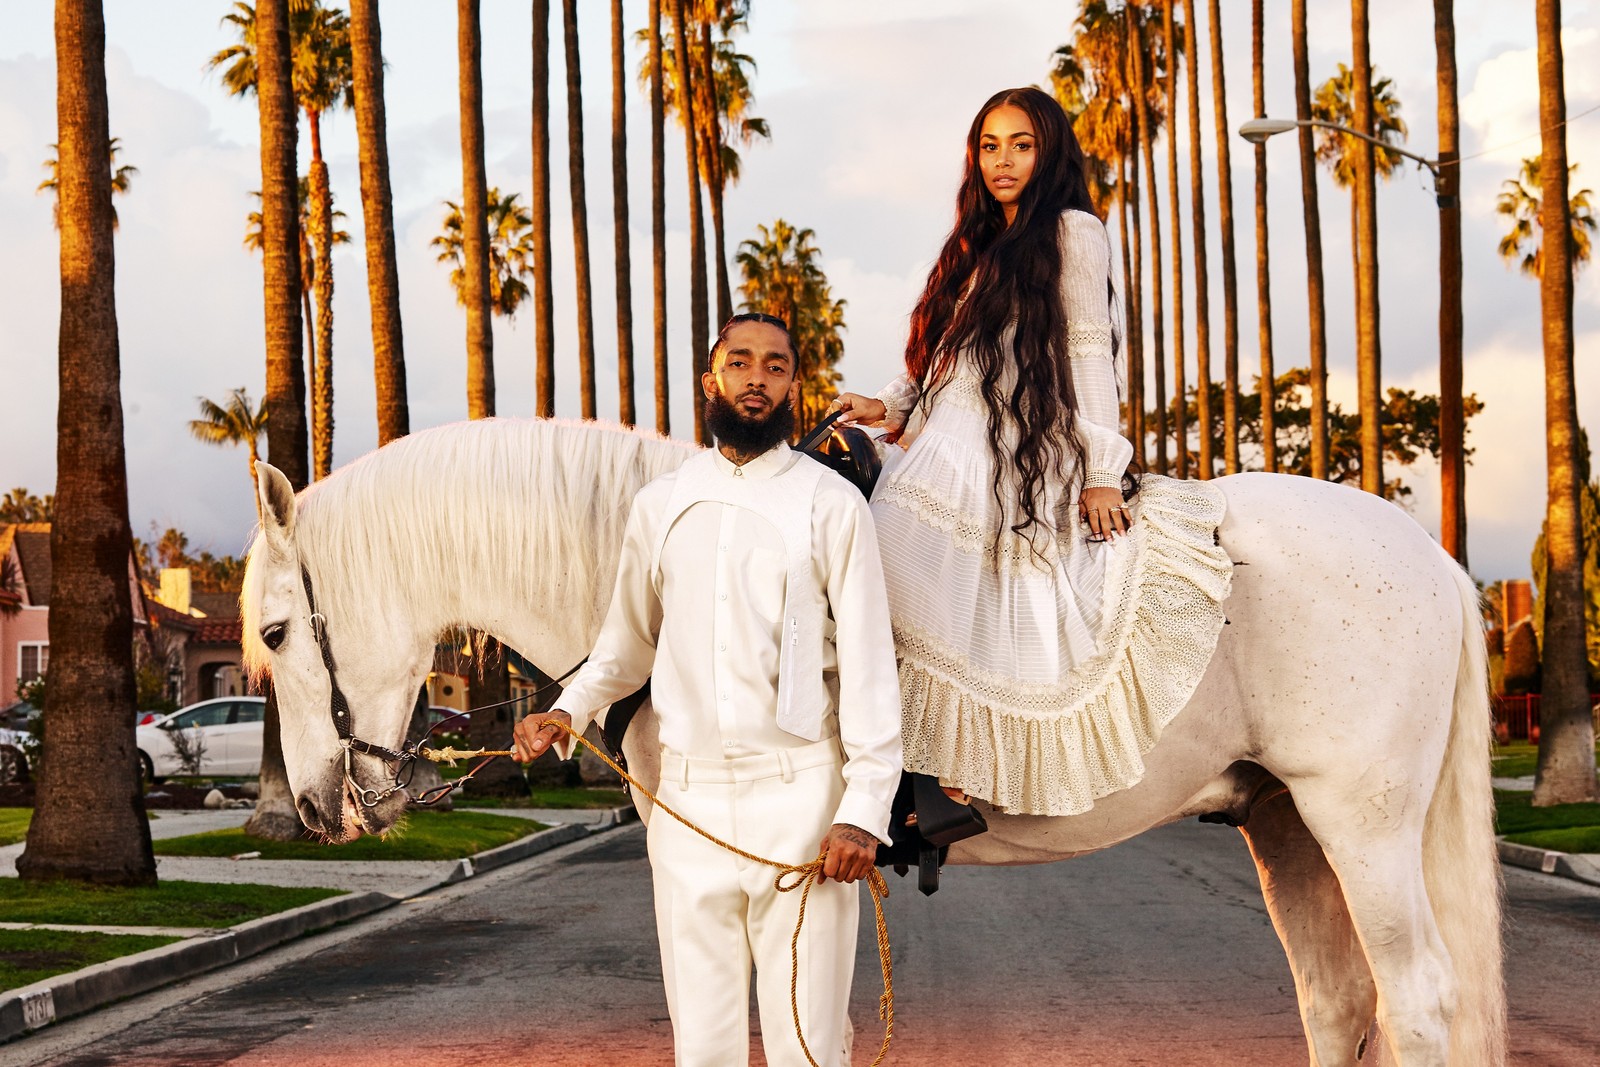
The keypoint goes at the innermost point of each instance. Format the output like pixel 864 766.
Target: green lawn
pixel 423 835
pixel 1560 828
pixel 14 824
pixel 1518 759
pixel 173 903
pixel 28 956
pixel 552 797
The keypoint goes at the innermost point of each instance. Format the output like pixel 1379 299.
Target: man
pixel 750 588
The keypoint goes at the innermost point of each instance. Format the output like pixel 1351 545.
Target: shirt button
pixel 738 472
pixel 722 548
pixel 722 596
pixel 729 744
pixel 722 648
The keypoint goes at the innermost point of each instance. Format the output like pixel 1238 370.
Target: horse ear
pixel 277 508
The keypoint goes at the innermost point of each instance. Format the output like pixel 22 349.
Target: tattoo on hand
pixel 855 835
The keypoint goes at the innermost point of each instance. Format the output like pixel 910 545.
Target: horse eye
pixel 272 636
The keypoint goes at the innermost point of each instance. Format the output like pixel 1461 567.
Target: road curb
pixel 1543 860
pixel 31 1007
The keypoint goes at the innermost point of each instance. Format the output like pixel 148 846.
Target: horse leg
pixel 1332 982
pixel 1370 831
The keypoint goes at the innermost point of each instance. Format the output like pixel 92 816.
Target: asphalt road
pixel 1158 952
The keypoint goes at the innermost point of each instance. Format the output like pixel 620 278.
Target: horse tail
pixel 1460 863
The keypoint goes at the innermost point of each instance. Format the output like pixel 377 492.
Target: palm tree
pixel 1197 203
pixel 1369 351
pixel 377 213
pixel 1452 422
pixel 1522 201
pixel 1230 275
pixel 580 209
pixel 1269 437
pixel 510 252
pixel 88 826
pixel 235 421
pixel 544 316
pixel 619 220
pixel 1566 771
pixel 121 181
pixel 1312 213
pixel 320 61
pixel 782 277
pixel 19 505
pixel 1144 80
pixel 658 223
pixel 473 228
pixel 1180 425
pixel 699 330
pixel 1135 281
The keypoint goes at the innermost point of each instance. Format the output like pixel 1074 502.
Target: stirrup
pixel 941 820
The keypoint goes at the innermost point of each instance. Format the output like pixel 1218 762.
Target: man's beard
pixel 748 436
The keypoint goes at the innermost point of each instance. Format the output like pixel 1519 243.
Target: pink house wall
pixel 27 625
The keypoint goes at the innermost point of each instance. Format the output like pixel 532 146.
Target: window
pixel 250 711
pixel 33 659
pixel 214 714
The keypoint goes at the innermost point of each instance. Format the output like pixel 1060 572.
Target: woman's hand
pixel 1104 512
pixel 860 410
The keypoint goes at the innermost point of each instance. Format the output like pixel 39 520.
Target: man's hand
pixel 532 740
pixel 849 853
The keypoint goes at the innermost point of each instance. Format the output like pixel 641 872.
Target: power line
pixel 1527 137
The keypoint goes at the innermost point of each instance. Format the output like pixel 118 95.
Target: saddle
pixel 940 821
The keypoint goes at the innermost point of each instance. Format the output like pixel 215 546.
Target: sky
pixel 868 105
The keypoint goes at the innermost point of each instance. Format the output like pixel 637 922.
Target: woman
pixel 1048 625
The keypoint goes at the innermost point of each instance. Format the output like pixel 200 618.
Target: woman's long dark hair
pixel 1015 275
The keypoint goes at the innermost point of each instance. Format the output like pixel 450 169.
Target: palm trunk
pixel 658 223
pixel 275 817
pixel 544 305
pixel 321 225
pixel 619 221
pixel 1317 314
pixel 1269 434
pixel 1452 421
pixel 377 214
pixel 699 333
pixel 715 179
pixel 1230 276
pixel 475 213
pixel 1135 412
pixel 1369 357
pixel 1180 392
pixel 1136 296
pixel 88 820
pixel 1197 206
pixel 1566 772
pixel 580 209
pixel 1157 334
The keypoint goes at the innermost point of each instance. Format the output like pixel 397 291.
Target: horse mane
pixel 423 514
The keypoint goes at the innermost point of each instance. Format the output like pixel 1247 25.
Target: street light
pixel 1256 131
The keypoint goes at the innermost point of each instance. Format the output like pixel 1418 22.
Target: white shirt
pixel 707 628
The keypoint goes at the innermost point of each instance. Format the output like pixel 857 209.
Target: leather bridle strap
pixel 338 707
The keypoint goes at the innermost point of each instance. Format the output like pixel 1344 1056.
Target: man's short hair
pixel 739 320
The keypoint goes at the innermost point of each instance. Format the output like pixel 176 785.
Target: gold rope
pixel 803 876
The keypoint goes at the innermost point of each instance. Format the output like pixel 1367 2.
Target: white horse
pixel 1343 722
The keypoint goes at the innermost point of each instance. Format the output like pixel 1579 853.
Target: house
pixel 211 663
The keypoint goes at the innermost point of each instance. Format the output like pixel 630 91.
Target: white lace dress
pixel 1037 680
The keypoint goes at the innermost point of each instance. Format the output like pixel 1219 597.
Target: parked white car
pixel 227 730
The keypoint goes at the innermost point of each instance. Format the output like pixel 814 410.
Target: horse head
pixel 377 657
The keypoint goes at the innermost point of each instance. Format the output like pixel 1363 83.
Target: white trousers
pixel 717 914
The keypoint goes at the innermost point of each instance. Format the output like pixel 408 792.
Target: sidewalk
pixel 1579 866
pixel 372 884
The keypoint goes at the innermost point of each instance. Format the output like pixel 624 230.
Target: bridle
pixel 405 760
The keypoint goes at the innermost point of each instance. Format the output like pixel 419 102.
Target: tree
pixel 121 181
pixel 1269 447
pixel 1311 211
pixel 473 291
pixel 1197 204
pixel 626 413
pixel 232 422
pixel 1590 508
pixel 658 224
pixel 1566 770
pixel 580 209
pixel 782 276
pixel 88 826
pixel 1180 423
pixel 1230 277
pixel 510 252
pixel 699 331
pixel 19 505
pixel 1521 201
pixel 1147 104
pixel 377 213
pixel 1452 464
pixel 544 321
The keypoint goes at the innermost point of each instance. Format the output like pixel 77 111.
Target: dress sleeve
pixel 900 398
pixel 1085 269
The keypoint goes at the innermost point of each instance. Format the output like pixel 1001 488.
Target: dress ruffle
pixel 1053 745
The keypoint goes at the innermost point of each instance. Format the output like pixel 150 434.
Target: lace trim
pixel 1009 552
pixel 1094 336
pixel 1055 748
